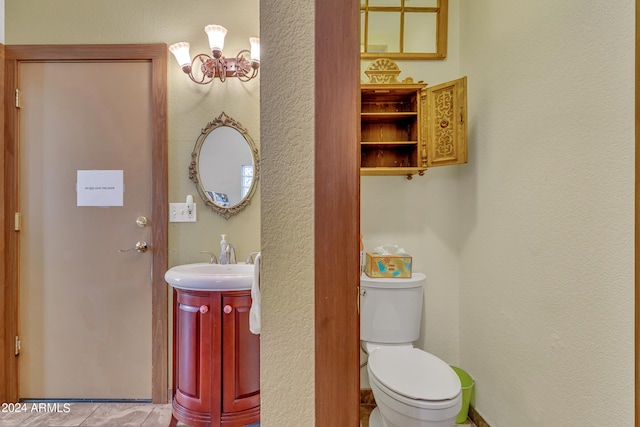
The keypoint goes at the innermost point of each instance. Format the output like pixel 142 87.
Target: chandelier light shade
pixel 181 52
pixel 255 49
pixel 216 34
pixel 203 69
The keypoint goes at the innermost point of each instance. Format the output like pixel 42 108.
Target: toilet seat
pixel 414 374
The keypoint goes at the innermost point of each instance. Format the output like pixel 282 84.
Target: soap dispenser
pixel 223 250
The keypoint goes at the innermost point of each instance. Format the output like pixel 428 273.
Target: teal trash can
pixel 467 389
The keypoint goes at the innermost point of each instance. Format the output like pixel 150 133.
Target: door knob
pixel 227 309
pixel 142 221
pixel 141 247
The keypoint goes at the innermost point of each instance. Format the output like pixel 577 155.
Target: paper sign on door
pixel 100 188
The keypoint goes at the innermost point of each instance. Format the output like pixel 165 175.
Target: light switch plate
pixel 182 212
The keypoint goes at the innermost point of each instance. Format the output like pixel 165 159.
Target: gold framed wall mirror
pixel 224 166
pixel 403 29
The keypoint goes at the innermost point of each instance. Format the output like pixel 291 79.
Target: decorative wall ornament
pixel 444 146
pixel 385 71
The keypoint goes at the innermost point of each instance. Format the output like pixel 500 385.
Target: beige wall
pixel 528 249
pixel 287 117
pixel 547 212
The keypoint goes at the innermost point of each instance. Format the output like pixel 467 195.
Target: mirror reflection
pixel 224 166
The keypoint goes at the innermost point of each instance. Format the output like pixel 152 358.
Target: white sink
pixel 211 277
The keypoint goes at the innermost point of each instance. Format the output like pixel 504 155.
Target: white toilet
pixel 411 387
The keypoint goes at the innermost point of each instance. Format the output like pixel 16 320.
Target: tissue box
pixel 397 266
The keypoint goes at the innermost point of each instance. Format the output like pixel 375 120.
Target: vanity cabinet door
pixel 194 326
pixel 240 356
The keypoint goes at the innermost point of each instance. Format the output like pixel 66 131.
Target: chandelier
pixel 203 69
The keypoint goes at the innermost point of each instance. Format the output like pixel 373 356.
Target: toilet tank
pixel 390 309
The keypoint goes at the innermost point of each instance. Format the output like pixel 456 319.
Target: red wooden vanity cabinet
pixel 216 359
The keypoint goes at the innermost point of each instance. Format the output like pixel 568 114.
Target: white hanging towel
pixel 254 312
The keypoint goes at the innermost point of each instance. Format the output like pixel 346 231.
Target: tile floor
pixel 89 414
pixel 107 415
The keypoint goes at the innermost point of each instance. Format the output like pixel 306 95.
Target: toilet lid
pixel 414 373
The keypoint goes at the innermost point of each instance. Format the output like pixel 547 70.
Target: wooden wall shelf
pixel 406 127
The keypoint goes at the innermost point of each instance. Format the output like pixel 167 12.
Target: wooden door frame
pixel 337 213
pixel 156 54
pixel 637 220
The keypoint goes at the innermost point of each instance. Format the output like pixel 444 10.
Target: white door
pixel 85 307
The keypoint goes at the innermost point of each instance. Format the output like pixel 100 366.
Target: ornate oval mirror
pixel 224 166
